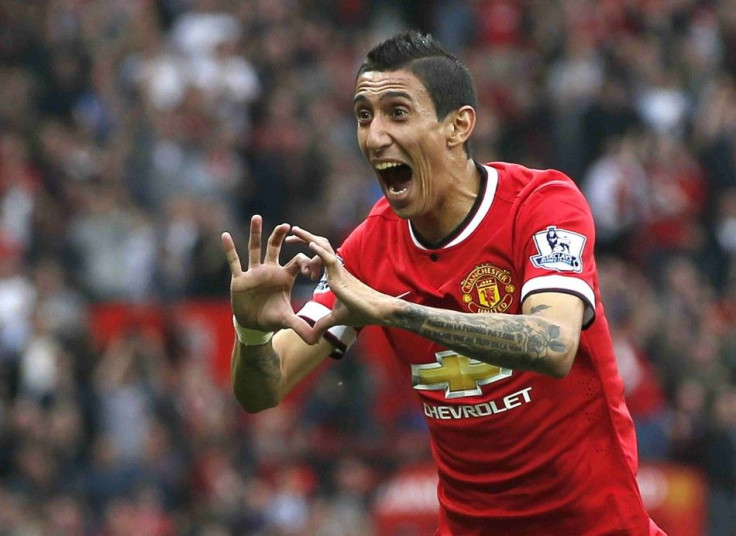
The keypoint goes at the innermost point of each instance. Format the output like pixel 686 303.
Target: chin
pixel 403 211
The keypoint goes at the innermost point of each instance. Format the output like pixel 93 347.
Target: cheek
pixel 423 175
pixel 361 143
pixel 430 156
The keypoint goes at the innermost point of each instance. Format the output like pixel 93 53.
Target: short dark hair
pixel 448 81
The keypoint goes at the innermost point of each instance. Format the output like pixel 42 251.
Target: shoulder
pixel 378 222
pixel 518 183
pixel 379 219
pixel 381 211
pixel 378 236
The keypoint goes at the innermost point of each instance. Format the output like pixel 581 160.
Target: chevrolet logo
pixel 456 374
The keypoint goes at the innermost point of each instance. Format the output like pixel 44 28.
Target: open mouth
pixel 395 175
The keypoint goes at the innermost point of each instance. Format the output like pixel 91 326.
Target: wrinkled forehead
pixel 374 84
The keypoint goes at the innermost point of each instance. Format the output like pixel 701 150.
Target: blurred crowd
pixel 133 132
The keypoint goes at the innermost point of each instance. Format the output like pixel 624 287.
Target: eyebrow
pixel 388 95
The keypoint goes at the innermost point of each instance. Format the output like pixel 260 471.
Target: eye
pixel 362 115
pixel 399 113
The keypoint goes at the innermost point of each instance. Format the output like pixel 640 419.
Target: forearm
pixel 257 378
pixel 264 374
pixel 521 342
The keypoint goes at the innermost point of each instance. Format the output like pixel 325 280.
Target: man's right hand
pixel 261 295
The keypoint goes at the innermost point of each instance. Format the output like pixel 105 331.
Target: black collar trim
pixel 459 229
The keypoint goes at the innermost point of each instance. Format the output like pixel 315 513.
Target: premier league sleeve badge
pixel 559 250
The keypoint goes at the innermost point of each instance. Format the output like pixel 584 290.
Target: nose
pixel 377 137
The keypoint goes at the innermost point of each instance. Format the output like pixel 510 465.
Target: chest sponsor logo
pixel 456 374
pixel 487 289
pixel 559 250
pixel 467 411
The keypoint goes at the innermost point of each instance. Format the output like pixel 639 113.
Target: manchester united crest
pixel 487 289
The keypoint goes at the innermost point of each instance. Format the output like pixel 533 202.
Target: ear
pixel 460 126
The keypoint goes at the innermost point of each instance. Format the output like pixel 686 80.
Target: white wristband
pixel 251 337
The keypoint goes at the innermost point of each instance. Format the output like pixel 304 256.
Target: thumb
pixel 303 328
pixel 324 323
pixel 311 334
pixel 300 263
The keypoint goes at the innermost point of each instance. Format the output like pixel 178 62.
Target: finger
pixel 298 265
pixel 273 249
pixel 315 267
pixel 323 324
pixel 308 237
pixel 293 239
pixel 326 255
pixel 254 242
pixel 232 254
pixel 302 328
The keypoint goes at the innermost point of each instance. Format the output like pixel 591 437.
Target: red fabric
pixel 518 453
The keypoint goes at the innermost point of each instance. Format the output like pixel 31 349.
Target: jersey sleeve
pixel 555 241
pixel 323 300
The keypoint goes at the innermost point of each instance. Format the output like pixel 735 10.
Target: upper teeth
pixel 386 165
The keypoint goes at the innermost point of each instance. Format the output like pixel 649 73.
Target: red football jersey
pixel 518 453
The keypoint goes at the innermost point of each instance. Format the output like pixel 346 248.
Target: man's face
pixel 400 135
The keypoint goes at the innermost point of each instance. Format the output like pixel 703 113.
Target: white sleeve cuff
pixel 340 336
pixel 561 283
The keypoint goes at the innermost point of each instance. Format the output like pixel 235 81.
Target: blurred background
pixel 133 132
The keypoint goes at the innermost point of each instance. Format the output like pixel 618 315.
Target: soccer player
pixel 483 278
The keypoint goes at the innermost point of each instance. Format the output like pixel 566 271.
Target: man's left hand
pixel 357 304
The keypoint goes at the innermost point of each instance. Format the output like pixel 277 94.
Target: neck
pixel 452 208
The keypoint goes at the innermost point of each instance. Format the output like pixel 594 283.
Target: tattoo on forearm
pixel 266 363
pixel 521 343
